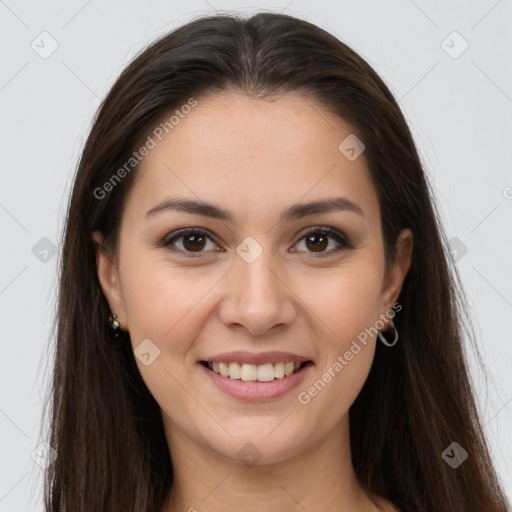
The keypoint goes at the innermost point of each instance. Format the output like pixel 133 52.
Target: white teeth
pixel 223 369
pixel 249 372
pixel 252 372
pixel 265 372
pixel 288 368
pixel 234 370
pixel 279 370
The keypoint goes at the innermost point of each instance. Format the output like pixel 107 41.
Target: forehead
pixel 250 155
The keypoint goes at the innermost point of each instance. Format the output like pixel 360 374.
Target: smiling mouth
pixel 256 373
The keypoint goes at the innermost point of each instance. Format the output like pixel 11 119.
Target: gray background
pixel 458 106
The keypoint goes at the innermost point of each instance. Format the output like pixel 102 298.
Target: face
pixel 247 288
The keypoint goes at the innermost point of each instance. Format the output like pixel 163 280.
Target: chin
pixel 258 447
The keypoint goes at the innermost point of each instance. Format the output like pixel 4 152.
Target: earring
pixel 383 339
pixel 114 326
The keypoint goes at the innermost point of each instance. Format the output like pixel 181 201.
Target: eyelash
pixel 320 230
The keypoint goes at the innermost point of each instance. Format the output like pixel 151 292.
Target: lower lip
pixel 253 391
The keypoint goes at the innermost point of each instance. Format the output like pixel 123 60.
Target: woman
pixel 257 309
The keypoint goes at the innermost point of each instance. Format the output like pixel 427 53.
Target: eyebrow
pixel 293 213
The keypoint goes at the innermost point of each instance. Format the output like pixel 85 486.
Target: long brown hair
pixel 418 399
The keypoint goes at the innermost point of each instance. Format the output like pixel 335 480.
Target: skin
pixel 255 157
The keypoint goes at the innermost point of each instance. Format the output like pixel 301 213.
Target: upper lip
pixel 241 356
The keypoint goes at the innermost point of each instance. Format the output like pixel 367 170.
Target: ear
pixel 397 271
pixel 108 276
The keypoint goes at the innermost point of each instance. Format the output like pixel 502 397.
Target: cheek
pixel 346 308
pixel 161 298
pixel 345 301
pixel 163 305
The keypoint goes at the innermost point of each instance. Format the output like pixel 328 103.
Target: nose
pixel 257 296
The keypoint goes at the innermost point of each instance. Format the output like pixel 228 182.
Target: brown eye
pixel 194 242
pixel 189 242
pixel 317 241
